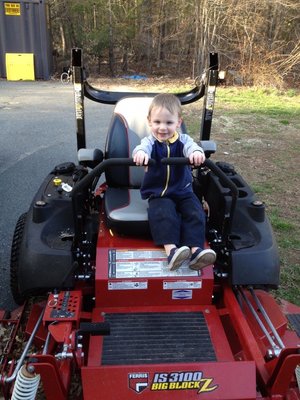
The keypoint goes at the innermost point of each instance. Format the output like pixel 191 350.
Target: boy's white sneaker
pixel 202 258
pixel 178 256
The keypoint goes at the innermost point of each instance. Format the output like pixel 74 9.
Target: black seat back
pixel 126 212
pixel 128 126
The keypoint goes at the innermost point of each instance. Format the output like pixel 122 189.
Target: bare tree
pixel 256 39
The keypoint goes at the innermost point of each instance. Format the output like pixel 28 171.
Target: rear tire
pixel 15 259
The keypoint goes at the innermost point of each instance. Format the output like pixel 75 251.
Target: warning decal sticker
pixel 12 8
pixel 127 285
pixel 143 263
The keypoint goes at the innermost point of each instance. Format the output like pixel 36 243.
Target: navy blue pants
pixel 178 220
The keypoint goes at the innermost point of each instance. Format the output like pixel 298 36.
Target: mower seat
pixel 125 210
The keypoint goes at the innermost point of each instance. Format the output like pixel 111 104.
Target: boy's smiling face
pixel 163 124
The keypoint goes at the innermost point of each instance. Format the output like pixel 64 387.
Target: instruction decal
pixel 127 285
pixel 143 263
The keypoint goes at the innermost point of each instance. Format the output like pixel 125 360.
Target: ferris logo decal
pixel 138 381
pixel 182 381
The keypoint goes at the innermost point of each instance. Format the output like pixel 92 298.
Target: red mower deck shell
pixel 237 342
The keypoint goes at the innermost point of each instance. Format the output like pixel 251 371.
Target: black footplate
pixel 155 338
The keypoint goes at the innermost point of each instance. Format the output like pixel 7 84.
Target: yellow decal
pixel 12 8
pixel 185 380
pixel 205 385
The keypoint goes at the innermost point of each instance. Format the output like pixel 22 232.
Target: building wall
pixel 25 28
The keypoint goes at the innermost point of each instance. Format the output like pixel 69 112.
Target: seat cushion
pixel 126 212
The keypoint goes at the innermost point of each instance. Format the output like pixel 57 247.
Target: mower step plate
pixel 176 337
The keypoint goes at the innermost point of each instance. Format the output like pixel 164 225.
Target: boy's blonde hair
pixel 168 101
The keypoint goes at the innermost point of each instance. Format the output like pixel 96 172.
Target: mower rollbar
pixel 209 96
pixel 205 87
pixel 108 97
pixel 78 77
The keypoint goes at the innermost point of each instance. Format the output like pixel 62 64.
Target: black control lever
pixel 94 328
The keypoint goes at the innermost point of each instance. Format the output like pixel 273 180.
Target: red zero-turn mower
pixel 101 315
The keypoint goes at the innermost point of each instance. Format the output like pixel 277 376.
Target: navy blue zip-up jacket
pixel 167 180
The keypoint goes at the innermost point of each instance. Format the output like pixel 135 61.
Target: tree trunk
pixel 63 39
pixel 111 42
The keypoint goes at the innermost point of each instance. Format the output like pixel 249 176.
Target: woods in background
pixel 258 41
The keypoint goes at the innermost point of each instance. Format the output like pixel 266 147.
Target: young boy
pixel 176 217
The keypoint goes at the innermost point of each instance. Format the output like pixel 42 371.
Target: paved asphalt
pixel 37 132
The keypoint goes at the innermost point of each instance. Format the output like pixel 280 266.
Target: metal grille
pixel 294 320
pixel 154 338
